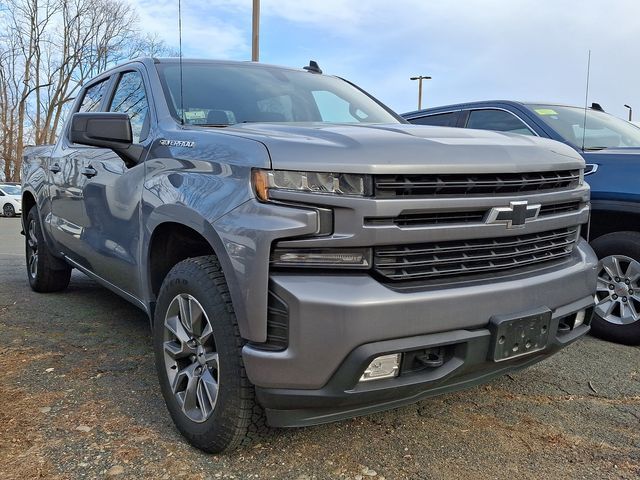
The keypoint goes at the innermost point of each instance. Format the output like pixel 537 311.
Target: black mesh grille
pixel 469 257
pixel 414 219
pixel 475 184
pixel 557 209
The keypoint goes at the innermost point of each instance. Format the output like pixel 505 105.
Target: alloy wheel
pixel 32 250
pixel 8 210
pixel 618 291
pixel 190 357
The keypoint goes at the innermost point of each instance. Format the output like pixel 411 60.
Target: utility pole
pixel 420 78
pixel 630 111
pixel 255 40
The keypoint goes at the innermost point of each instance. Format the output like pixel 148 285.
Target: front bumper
pixel 340 399
pixel 338 323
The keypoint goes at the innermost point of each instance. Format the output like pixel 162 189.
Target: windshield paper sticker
pixel 195 115
pixel 546 111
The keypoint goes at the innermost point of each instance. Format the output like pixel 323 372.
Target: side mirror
pixel 105 130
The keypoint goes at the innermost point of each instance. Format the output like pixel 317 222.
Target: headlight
pixel 309 182
pixel 359 258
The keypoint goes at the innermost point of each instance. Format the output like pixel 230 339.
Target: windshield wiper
pixel 217 125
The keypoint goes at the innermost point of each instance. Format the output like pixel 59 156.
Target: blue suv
pixel 611 149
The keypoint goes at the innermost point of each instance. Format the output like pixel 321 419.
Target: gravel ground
pixel 78 399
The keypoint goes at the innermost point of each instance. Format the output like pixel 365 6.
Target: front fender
pixel 246 234
pixel 241 240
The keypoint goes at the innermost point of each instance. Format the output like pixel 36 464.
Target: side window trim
pixel 470 110
pixel 110 87
pixel 463 118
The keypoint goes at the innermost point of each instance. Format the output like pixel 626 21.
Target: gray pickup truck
pixel 304 254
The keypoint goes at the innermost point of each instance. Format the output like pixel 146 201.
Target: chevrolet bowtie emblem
pixel 515 215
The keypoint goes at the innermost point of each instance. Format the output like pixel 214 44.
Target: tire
pixel 617 315
pixel 200 369
pixel 8 210
pixel 45 272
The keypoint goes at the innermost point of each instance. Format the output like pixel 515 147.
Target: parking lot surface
pixel 78 399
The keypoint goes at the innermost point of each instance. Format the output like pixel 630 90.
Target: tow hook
pixel 432 358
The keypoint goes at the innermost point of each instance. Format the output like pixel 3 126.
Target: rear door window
pixel 91 102
pixel 498 120
pixel 449 119
pixel 93 97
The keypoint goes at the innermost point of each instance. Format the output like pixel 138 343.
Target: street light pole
pixel 420 78
pixel 255 40
pixel 630 111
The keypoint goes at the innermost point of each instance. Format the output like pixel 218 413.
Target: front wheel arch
pixel 160 222
pixel 28 202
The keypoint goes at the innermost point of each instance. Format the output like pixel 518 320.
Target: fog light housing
pixel 385 366
pixel 322 258
pixel 579 320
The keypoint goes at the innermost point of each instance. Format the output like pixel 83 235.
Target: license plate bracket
pixel 514 336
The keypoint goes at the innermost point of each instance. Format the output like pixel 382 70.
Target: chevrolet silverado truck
pixel 303 253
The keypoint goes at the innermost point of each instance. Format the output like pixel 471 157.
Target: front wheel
pixel 198 351
pixel 617 313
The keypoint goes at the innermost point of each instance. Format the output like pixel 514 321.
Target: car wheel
pixel 8 210
pixel 45 272
pixel 198 351
pixel 617 313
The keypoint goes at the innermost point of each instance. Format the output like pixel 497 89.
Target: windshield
pixel 222 94
pixel 11 189
pixel 602 130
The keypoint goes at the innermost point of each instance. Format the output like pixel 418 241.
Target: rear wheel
pixel 8 210
pixel 617 313
pixel 198 352
pixel 45 272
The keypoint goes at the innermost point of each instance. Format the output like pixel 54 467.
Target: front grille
pixel 556 209
pixel 418 185
pixel 423 219
pixel 417 219
pixel 471 257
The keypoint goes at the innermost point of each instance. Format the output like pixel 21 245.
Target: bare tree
pixel 27 21
pixel 10 81
pixel 150 45
pixel 50 49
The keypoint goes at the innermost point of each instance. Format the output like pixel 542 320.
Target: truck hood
pixel 404 148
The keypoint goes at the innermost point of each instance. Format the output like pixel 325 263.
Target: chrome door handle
pixel 55 168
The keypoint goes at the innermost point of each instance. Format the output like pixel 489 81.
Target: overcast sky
pixel 473 49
